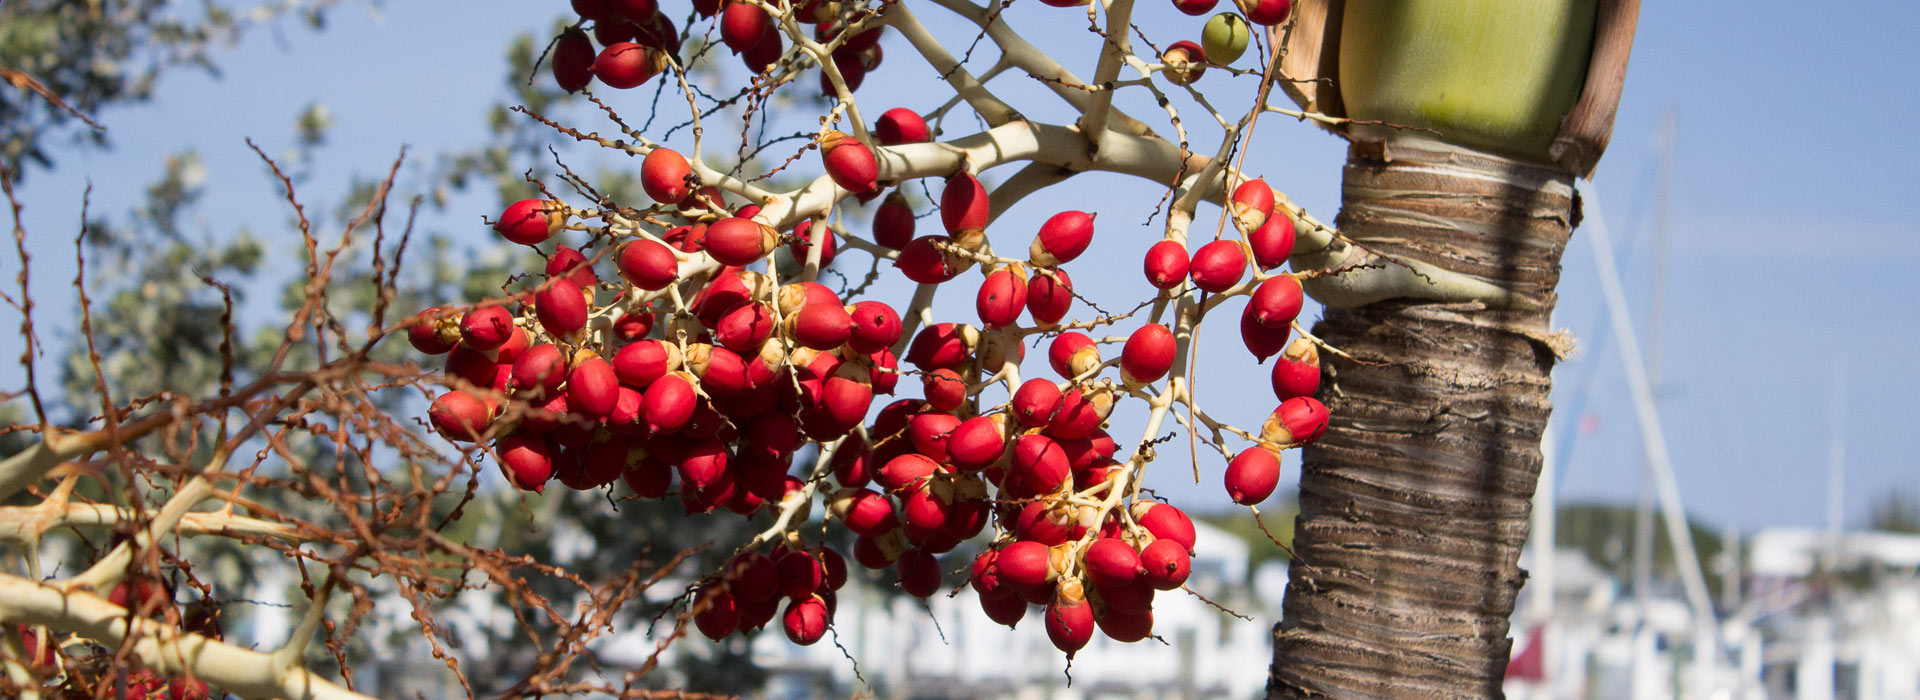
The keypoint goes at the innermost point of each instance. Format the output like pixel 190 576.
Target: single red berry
pixel 806 620
pixel 744 26
pixel 1039 462
pixel 1062 238
pixel 1049 296
pixel 664 173
pixel 1297 372
pixel 1002 297
pixel 1195 8
pixel 1252 203
pixel 649 265
pixel 527 459
pixel 1165 564
pixel 1268 13
pixel 963 205
pixel 1260 340
pixel 1166 264
pixel 531 221
pixel 1069 622
pixel 1252 475
pixel 1217 266
pixel 592 388
pixel 561 307
pixel 1277 301
pixel 850 163
pixel 893 222
pixel 1272 243
pixel 876 327
pixel 901 125
pixel 1035 402
pixel 626 65
pixel 460 415
pixel 1148 354
pixel 739 241
pixel 573 58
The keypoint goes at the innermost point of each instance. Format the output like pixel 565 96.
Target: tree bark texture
pixel 1414 506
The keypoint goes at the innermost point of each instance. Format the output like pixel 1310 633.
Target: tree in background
pixel 676 338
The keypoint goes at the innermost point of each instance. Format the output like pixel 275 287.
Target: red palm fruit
pixel 1023 564
pixel 963 206
pixel 930 432
pixel 1049 295
pixel 573 265
pixel 901 125
pixel 738 241
pixel 639 364
pixel 806 619
pixel 885 371
pixel 1260 340
pixel 1195 8
pixel 1166 522
pixel 1039 463
pixel 821 326
pixel 1045 525
pixel 755 614
pixel 1186 62
pixel 704 465
pixel 919 573
pixel 1252 204
pixel 1126 625
pixel 649 265
pixel 717 616
pixel 906 472
pixel 865 512
pixel 663 174
pixel 1084 452
pixel 1300 420
pixel 707 8
pixel 762 56
pixel 658 33
pixel 527 460
pixel 539 372
pixel 602 462
pixel 801 573
pixel 1069 619
pixel 460 416
pixel 847 394
pixel 1217 266
pixel 634 11
pixel 687 239
pixel 592 388
pixel 891 424
pixel 852 71
pixel 669 403
pixel 945 389
pixel 984 576
pixel 1276 302
pixel 433 337
pixel 1111 562
pixel 966 518
pixel 613 30
pixel 531 221
pixel 744 328
pixel 573 61
pixel 853 464
pixel 850 163
pixel 870 553
pixel 1007 610
pixel 1297 373
pixel 1081 412
pixel 1072 354
pixel 876 326
pixel 1252 475
pixel 1268 12
pixel 925 514
pixel 1132 598
pixel 633 326
pixel 772 434
pixel 561 307
pixel 1062 238
pixel 744 26
pixel 1165 565
pixel 1167 264
pixel 486 328
pixel 1035 402
pixel 547 416
pixel 836 567
pixel 978 442
pixel 648 478
pixel 1148 354
pixel 590 9
pixel 517 342
pixel 802 243
pixel 722 372
pixel 761 475
pixel 627 65
pixel 729 288
pixel 1002 297
pixel 753 576
pixel 893 222
pixel 922 261
pixel 941 345
pixel 474 367
pixel 793 297
pixel 1272 243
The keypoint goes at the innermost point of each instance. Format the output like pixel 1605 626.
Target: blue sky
pixel 1788 246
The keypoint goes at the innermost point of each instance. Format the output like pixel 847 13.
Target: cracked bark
pixel 1414 506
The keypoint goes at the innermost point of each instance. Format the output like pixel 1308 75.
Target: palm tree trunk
pixel 1414 506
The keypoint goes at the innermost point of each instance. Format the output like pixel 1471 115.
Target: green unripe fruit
pixel 1225 38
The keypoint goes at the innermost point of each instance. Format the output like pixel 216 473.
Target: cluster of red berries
pixel 638 40
pixel 696 367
